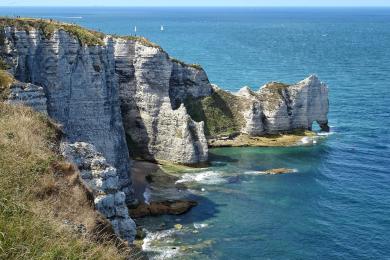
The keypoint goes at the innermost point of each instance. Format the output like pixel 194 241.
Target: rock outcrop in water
pixel 121 94
pixel 278 107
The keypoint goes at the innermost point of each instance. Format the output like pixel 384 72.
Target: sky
pixel 279 3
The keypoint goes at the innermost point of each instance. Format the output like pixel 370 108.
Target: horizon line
pixel 209 6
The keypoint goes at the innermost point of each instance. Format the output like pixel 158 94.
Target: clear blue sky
pixel 194 3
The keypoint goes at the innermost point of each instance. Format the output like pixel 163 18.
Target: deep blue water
pixel 337 206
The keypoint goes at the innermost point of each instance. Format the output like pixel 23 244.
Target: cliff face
pixel 151 89
pixel 102 179
pixel 80 87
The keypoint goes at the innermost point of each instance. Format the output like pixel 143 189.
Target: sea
pixel 336 204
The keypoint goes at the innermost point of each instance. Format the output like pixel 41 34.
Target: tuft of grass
pixel 141 40
pixel 48 27
pixel 196 66
pixel 4 65
pixel 276 86
pixel 221 113
pixel 6 80
pixel 39 192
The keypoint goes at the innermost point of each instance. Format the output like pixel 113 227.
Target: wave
pixel 158 243
pixel 200 225
pixel 207 177
pixel 325 133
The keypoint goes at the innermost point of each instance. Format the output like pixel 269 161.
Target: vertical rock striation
pixel 152 87
pixel 80 87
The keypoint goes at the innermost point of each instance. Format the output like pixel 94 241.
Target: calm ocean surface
pixel 337 206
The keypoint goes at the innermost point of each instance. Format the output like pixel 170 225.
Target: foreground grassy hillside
pixel 45 211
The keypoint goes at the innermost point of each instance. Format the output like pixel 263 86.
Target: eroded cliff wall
pixel 152 87
pixel 79 85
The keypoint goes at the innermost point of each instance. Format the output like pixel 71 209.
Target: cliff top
pixel 85 36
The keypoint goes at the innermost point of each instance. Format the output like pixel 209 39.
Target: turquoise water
pixel 337 204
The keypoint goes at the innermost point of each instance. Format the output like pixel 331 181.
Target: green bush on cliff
pixel 221 113
pixel 30 196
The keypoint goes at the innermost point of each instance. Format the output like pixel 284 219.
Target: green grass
pixel 141 40
pixel 4 65
pixel 5 81
pixel 277 86
pixel 85 36
pixel 196 66
pixel 28 229
pixel 221 113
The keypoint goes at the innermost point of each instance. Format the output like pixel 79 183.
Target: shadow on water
pixel 151 182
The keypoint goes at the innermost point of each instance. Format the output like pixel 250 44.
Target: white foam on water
pixel 200 225
pixel 305 140
pixel 163 250
pixel 325 133
pixel 253 172
pixel 147 195
pixel 207 178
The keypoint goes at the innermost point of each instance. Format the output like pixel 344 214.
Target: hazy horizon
pixel 198 3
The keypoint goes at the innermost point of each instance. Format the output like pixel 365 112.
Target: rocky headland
pixel 118 98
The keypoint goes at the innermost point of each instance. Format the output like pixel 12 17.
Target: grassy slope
pixel 38 190
pixel 220 112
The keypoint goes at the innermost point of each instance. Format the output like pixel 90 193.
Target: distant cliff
pixel 125 95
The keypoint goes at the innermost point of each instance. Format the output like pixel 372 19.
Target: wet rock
pixel 141 234
pixel 279 171
pixel 178 226
pixel 177 207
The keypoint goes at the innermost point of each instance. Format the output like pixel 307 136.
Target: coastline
pixel 159 185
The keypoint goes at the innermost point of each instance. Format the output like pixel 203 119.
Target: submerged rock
pixel 177 207
pixel 279 171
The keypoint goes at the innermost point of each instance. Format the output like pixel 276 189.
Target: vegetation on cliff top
pixel 48 27
pixel 85 36
pixel 221 113
pixel 42 201
pixel 196 66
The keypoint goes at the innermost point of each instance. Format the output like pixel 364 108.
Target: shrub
pixel 6 80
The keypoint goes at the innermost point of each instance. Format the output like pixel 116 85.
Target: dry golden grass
pixel 40 192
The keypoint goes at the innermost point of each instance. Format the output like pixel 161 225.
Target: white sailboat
pixel 135 29
pixel 162 28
